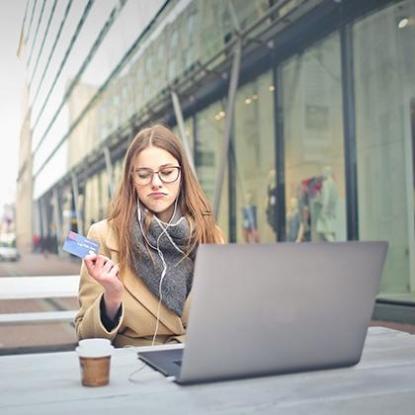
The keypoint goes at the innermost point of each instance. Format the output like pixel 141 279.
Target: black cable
pixel 65 58
pixel 24 17
pixel 58 35
pixel 30 23
pixel 52 12
pixel 36 33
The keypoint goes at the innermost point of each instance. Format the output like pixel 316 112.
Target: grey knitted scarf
pixel 148 264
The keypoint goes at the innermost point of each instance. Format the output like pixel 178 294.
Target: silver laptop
pixel 271 309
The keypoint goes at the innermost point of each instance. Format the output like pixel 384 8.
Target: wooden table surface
pixel 382 383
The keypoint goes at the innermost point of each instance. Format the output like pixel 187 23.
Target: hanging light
pixel 403 22
pixel 220 115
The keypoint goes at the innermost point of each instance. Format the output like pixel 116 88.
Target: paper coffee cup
pixel 95 361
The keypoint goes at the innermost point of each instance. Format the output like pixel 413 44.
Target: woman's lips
pixel 157 195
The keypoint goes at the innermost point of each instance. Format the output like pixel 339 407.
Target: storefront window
pixel 188 127
pixel 104 194
pixel 92 208
pixel 208 147
pixel 255 161
pixel 384 59
pixel 313 137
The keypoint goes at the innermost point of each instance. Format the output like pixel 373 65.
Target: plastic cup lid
pixel 94 342
pixel 94 351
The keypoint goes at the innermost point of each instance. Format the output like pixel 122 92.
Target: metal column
pixel 233 85
pixel 108 164
pixel 349 131
pixel 280 211
pixel 57 215
pixel 44 230
pixel 180 122
pixel 75 191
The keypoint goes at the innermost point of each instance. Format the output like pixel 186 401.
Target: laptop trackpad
pixel 168 362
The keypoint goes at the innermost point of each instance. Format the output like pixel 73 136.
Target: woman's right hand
pixel 106 273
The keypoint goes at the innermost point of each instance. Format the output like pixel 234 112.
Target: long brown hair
pixel 193 202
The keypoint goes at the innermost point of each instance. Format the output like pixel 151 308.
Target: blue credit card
pixel 79 245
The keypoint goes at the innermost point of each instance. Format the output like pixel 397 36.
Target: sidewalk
pixel 38 264
pixel 26 338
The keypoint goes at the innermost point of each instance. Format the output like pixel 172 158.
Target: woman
pixel 136 291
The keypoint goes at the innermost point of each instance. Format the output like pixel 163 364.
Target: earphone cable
pixel 163 274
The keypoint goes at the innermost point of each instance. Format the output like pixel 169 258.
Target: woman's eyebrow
pixel 168 165
pixel 160 167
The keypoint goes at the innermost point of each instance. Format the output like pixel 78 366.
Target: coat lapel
pixel 111 239
pixel 185 316
pixel 137 288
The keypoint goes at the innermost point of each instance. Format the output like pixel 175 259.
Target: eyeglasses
pixel 168 174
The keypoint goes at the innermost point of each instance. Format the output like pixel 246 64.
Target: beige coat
pixel 139 306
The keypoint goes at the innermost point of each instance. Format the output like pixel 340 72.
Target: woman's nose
pixel 156 180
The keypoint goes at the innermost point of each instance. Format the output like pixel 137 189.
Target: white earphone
pixel 157 248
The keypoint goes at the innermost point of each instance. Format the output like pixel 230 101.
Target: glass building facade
pixel 322 139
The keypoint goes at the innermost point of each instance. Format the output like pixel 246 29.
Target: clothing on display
pixel 271 209
pixel 250 224
pixel 294 226
pixel 308 193
pixel 326 221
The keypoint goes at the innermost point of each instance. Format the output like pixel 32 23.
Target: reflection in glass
pixel 255 161
pixel 313 136
pixel 208 147
pixel 385 88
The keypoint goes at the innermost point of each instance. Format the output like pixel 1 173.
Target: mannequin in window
pixel 271 203
pixel 294 224
pixel 326 221
pixel 249 220
pixel 309 205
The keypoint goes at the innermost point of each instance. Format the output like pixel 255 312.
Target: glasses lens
pixel 169 174
pixel 143 176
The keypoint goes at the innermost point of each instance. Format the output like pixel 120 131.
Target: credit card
pixel 79 245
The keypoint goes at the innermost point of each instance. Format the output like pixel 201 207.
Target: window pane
pixel 188 127
pixel 208 148
pixel 255 160
pixel 384 57
pixel 313 134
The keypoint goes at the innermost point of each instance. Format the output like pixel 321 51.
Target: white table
pixel 382 383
